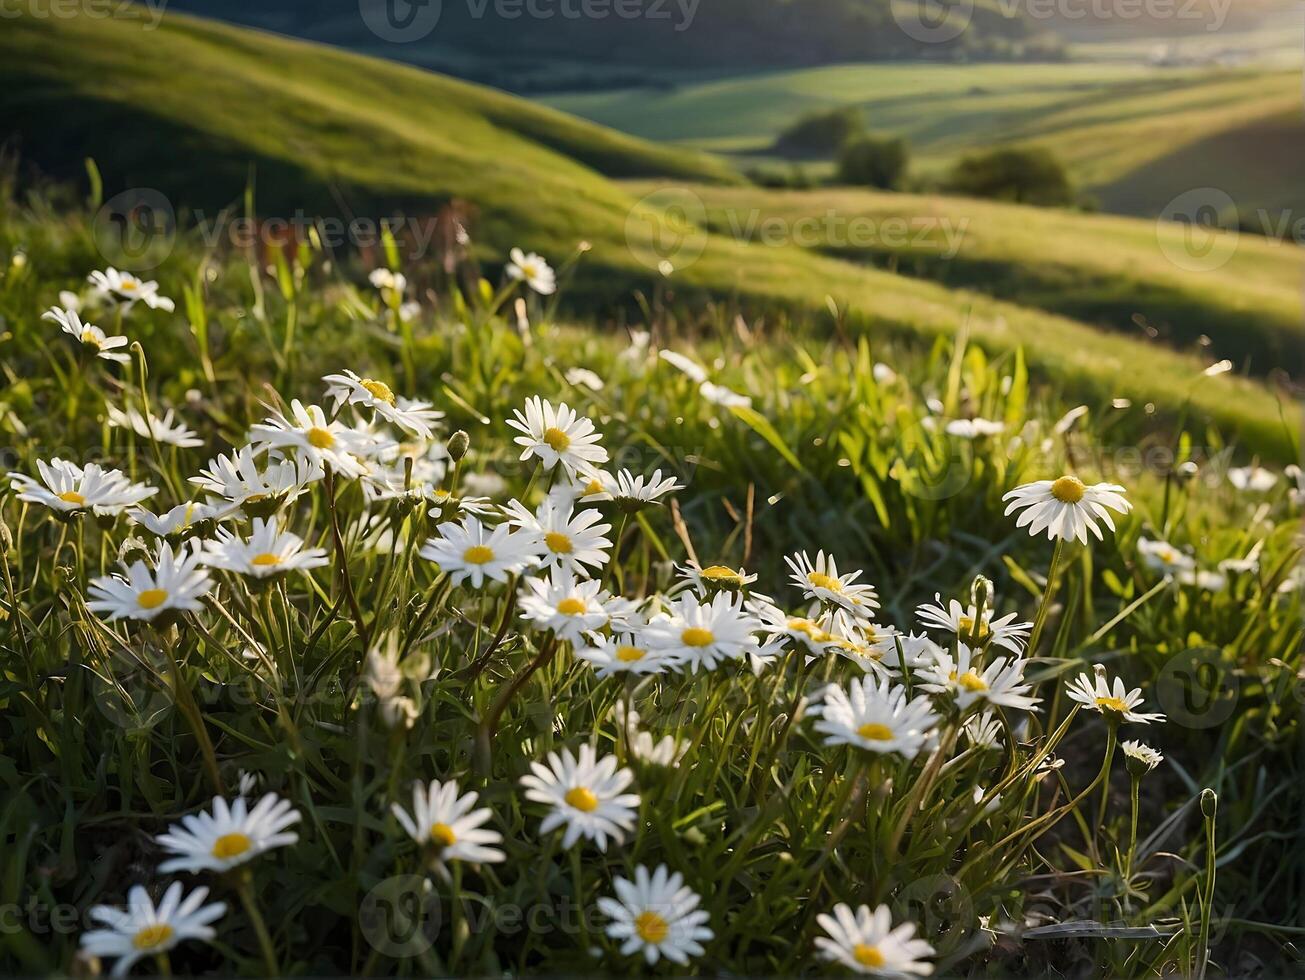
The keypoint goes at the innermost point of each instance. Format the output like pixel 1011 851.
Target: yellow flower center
pixel 867 955
pixel 971 681
pixel 719 573
pixel 90 340
pixel 152 598
pixel 378 390
pixel 320 438
pixel 592 487
pixel 822 581
pixel 571 606
pixel 266 558
pixel 966 624
pixel 696 636
pixel 72 497
pixel 128 286
pixel 582 799
pixel 556 439
pixel 229 846
pixel 805 626
pixel 1112 704
pixel 558 543
pixel 152 937
pixel 442 834
pixel 1068 489
pixel 629 655
pixel 478 554
pixel 651 927
pixel 875 732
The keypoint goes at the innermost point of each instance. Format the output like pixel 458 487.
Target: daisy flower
pixel 1202 579
pixel 1066 508
pixel 239 481
pixel 633 493
pixel 959 620
pixel 142 929
pixel 445 821
pixel 876 718
pixel 583 377
pixel 657 915
pixel 1113 701
pixel 793 631
pixel 384 279
pixel 870 646
pixel 470 550
pixel 563 604
pixel 586 796
pixel 624 654
pixel 568 539
pixel 557 435
pixel 269 551
pixel 308 434
pixel 416 417
pixel 1162 557
pixel 714 578
pixel 1000 683
pixel 866 942
pixel 126 289
pixel 70 489
pixel 92 337
pixel 820 580
pixel 1140 757
pixel 178 520
pixel 665 753
pixel 1255 479
pixel 587 486
pixel 705 633
pixel 532 270
pixel 175 584
pixel 161 429
pixel 974 428
pixel 982 731
pixel 229 836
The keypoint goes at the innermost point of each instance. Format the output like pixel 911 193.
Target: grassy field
pixel 1101 270
pixel 1121 129
pixel 331 133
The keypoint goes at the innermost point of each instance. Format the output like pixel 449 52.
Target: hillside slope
pixel 187 108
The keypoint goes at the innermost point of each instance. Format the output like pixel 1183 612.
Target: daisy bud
pixel 981 594
pixel 458 445
pixel 1187 471
pixel 6 536
pixel 1209 803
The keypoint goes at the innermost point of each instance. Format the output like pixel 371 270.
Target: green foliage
pixel 822 133
pixel 1023 175
pixel 873 161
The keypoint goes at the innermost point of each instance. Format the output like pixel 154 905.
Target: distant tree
pixel 820 133
pixel 1026 175
pixel 873 161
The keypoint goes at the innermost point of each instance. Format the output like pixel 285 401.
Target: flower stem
pixel 1040 621
pixel 245 889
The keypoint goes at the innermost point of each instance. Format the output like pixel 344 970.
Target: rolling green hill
pixel 1135 137
pixel 333 133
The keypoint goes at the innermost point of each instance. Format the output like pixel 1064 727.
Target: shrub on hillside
pixel 873 161
pixel 1025 175
pixel 820 133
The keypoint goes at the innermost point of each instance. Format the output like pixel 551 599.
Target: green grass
pixel 1110 122
pixel 323 126
pixel 1102 270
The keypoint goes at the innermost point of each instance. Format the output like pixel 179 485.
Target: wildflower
pixel 883 374
pixel 229 836
pixel 1140 757
pixel 820 580
pixel 666 753
pixel 583 377
pixel 126 289
pixel 94 339
pixel 70 489
pixel 308 433
pixel 692 370
pixel 1000 683
pixel 161 429
pixel 175 584
pixel 866 942
pixel 704 634
pixel 876 718
pixel 1097 694
pixel 722 396
pixel 1201 579
pixel 142 929
pixel 178 520
pixel 982 731
pixel 625 653
pixel 470 550
pixel 416 417
pixel 793 630
pixel 656 914
pixel 633 493
pixel 1066 508
pixel 445 821
pixel 532 270
pixel 1162 557
pixel 974 428
pixel 560 603
pixel 387 281
pixel 1252 479
pixel 557 435
pixel 715 578
pixel 567 539
pixel 267 552
pixel 239 482
pixel 586 796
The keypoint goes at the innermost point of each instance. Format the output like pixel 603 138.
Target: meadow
pixel 744 662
